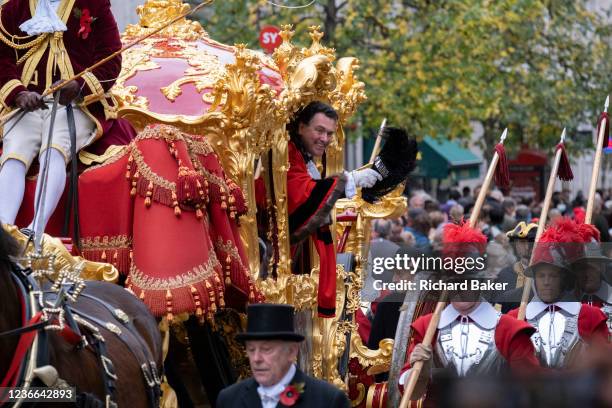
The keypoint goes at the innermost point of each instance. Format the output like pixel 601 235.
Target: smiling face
pixel 270 359
pixel 317 134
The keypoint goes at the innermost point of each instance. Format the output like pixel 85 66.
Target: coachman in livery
pixel 41 43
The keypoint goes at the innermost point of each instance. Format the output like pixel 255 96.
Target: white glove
pixel 366 177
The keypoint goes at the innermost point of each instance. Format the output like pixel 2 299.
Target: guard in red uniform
pixel 43 42
pixel 562 323
pixel 593 274
pixel 472 338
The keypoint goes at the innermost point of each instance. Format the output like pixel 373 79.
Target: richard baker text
pixel 470 284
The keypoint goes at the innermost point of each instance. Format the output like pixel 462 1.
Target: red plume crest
pixel 456 234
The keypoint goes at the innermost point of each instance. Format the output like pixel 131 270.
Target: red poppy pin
pixel 291 394
pixel 85 20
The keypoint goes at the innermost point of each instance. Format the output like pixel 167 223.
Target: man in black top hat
pixel 272 347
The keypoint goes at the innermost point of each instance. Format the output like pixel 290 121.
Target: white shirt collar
pixel 274 391
pixel 536 307
pixel 484 316
pixel 312 170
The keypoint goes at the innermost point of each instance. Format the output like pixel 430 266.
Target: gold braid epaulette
pixel 32 46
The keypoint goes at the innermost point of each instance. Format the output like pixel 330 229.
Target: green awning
pixel 443 158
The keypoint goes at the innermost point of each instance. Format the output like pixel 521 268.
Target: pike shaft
pixel 541 225
pixel 376 148
pixel 594 177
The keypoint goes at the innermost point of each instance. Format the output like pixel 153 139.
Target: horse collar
pixel 28 333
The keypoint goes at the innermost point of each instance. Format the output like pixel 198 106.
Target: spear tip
pixel 504 135
pixel 607 103
pixel 563 136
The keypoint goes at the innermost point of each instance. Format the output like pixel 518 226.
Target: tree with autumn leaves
pixel 434 67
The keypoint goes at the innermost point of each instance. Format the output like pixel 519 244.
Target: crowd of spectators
pixel 423 221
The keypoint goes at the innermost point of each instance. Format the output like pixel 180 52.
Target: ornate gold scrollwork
pixel 204 69
pixel 275 289
pixel 360 396
pixel 203 72
pixel 392 205
pixel 316 48
pixel 345 98
pixel 54 249
pixel 286 55
pixel 330 334
pixel 372 358
pixel 134 60
pixel 155 13
pixel 243 103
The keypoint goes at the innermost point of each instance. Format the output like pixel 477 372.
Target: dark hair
pixel 382 228
pixel 508 203
pixel 556 198
pixel 522 212
pixel 422 223
pixel 496 214
pixel 578 201
pixel 431 205
pixel 454 195
pixel 306 114
pixel 414 212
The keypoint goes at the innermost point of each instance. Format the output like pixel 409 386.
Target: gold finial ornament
pixel 155 13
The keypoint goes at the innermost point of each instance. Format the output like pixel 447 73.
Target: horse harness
pixel 48 309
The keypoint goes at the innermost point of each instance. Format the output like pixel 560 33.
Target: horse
pixel 112 354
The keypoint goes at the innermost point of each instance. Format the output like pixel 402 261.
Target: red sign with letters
pixel 269 38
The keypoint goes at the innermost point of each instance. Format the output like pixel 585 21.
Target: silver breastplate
pixel 607 309
pixel 551 348
pixel 468 349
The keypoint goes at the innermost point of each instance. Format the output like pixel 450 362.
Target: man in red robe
pixel 472 338
pixel 311 195
pixel 44 42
